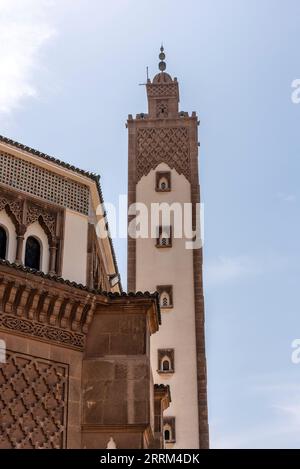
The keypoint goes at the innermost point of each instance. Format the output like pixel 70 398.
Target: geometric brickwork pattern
pixel 167 145
pixel 166 90
pixel 33 402
pixel 27 177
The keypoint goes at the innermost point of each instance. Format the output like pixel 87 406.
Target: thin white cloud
pixel 229 269
pixel 286 197
pixel 291 411
pixel 24 30
pixel 226 269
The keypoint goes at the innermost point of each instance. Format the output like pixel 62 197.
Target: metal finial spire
pixel 162 64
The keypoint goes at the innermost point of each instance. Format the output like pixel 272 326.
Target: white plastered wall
pixel 172 266
pixel 8 225
pixel 75 247
pixel 38 232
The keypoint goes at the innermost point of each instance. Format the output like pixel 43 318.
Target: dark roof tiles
pixel 58 279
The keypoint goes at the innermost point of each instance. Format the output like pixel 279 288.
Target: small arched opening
pixel 167 433
pixel 33 253
pixel 166 364
pixel 163 184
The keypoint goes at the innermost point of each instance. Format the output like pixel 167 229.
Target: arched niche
pixel 36 231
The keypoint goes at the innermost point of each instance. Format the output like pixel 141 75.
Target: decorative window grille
pixel 166 300
pixel 165 295
pixel 164 239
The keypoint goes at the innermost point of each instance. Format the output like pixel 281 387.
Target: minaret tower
pixel 163 168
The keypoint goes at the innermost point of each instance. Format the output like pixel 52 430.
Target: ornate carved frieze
pixel 33 402
pixel 35 212
pixel 43 313
pixel 42 331
pixel 163 145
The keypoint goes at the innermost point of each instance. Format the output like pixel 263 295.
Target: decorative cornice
pixel 53 309
pixel 31 307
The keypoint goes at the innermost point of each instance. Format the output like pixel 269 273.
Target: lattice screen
pixel 27 177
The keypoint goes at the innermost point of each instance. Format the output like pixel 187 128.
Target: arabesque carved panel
pixel 163 145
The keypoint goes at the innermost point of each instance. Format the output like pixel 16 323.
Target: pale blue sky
pixel 69 76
